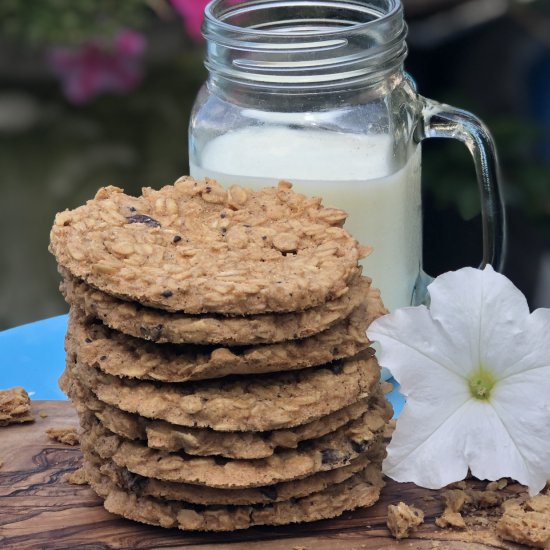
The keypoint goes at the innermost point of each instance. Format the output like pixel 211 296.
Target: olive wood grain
pixel 39 510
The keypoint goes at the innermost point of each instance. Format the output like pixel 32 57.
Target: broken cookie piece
pixel 15 406
pixel 526 521
pixel 455 499
pixel 78 477
pixel 403 519
pixel 463 498
pixel 66 435
pixel 450 519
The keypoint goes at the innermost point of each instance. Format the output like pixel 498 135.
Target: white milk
pixel 349 172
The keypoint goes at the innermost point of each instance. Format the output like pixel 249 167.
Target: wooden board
pixel 38 510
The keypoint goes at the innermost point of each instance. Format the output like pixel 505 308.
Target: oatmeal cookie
pixel 125 356
pixel 205 442
pixel 361 490
pixel 197 247
pixel 200 494
pixel 266 402
pixel 329 452
pixel 15 406
pixel 162 327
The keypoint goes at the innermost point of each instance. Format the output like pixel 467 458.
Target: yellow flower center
pixel 481 383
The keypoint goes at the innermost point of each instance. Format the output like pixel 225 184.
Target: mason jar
pixel 314 92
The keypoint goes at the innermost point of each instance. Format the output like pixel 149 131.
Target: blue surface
pixel 396 399
pixel 33 357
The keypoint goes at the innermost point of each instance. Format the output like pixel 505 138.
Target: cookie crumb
pixel 78 477
pixel 497 485
pixel 403 519
pixel 65 435
pixel 42 414
pixel 450 519
pixel 526 521
pixel 15 406
pixel 455 500
pixel 472 504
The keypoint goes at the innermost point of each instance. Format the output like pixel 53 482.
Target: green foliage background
pixel 39 22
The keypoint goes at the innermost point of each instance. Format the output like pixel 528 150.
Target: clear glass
pixel 315 93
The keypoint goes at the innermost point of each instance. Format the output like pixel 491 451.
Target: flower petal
pixel 488 450
pixel 427 445
pixel 411 343
pixel 484 312
pixel 472 436
pixel 192 12
pixel 535 338
pixel 129 43
pixel 521 402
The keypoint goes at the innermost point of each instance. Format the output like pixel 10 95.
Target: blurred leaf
pixel 68 21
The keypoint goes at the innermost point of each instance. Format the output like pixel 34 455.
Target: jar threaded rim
pixel 301 43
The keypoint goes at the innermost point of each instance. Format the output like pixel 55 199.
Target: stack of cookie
pixel 217 356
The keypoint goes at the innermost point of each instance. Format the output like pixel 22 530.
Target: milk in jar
pixel 349 171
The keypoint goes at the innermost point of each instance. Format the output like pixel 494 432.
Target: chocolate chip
pixel 330 456
pixel 336 367
pixel 151 333
pixel 208 189
pixel 197 507
pixel 132 209
pixel 220 460
pixel 167 293
pixel 176 239
pixel 223 215
pixel 270 492
pixel 142 218
pixel 88 340
pixel 103 358
pixel 264 237
pixel 224 230
pixel 359 446
pixel 134 483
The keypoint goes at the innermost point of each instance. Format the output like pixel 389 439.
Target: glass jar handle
pixel 443 121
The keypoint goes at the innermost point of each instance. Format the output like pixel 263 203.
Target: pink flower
pixel 93 68
pixel 192 12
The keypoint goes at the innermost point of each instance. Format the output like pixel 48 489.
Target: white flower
pixel 475 371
